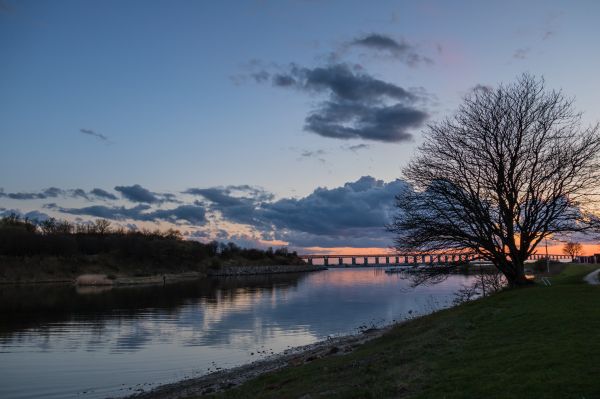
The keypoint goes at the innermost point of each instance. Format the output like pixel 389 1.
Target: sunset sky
pixel 266 123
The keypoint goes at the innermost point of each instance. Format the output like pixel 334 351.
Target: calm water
pixel 93 343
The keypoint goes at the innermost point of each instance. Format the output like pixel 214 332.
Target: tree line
pixel 22 237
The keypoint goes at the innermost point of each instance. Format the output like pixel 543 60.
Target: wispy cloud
pixel 192 214
pixel 314 154
pixel 400 50
pixel 521 53
pixel 95 134
pixel 356 147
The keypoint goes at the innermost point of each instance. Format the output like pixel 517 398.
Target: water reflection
pixel 115 339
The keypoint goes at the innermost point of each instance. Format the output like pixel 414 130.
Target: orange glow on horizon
pixel 345 251
pixel 553 249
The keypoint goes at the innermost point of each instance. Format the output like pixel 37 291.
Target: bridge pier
pixel 377 260
pixel 366 261
pixel 340 261
pixel 310 261
pixel 353 260
pixel 326 261
pixel 397 260
pixel 387 260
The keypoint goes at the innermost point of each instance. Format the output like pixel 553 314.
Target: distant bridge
pixel 405 259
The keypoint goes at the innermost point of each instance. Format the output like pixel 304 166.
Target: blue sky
pixel 177 95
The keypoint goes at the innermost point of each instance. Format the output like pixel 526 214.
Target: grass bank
pixel 538 342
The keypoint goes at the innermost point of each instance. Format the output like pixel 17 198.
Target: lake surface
pixel 61 342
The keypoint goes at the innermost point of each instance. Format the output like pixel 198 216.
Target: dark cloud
pixel 352 215
pixel 283 80
pixel 51 192
pixel 25 196
pixel 401 50
pixel 137 193
pixel 353 121
pixel 95 134
pixel 99 193
pixel 32 215
pixel 225 194
pixel 102 211
pixel 359 105
pixel 235 203
pixel 365 203
pixel 54 192
pixel 79 193
pixel 344 83
pixel 193 214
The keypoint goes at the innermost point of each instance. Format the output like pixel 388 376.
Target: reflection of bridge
pixel 402 259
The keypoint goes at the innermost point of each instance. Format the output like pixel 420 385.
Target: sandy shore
pixel 229 378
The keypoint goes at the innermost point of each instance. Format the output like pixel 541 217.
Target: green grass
pixel 538 342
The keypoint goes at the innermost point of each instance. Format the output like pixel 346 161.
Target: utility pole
pixel 547 258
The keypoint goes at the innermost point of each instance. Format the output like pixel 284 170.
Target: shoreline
pixel 453 344
pixel 105 280
pixel 233 271
pixel 222 380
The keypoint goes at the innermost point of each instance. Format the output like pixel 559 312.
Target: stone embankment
pixel 251 270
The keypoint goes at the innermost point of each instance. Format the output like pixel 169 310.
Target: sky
pixel 265 123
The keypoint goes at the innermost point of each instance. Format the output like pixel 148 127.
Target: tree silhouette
pixel 573 249
pixel 512 167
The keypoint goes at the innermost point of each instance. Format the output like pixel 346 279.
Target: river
pixel 61 342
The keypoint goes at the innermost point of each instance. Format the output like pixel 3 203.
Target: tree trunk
pixel 517 277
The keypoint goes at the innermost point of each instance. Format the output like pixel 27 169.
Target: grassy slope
pixel 539 342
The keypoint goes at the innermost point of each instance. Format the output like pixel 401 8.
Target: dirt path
pixel 592 278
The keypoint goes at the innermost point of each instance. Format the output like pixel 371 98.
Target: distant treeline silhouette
pixel 22 237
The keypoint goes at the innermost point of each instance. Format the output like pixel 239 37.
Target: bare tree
pixel 102 226
pixel 513 166
pixel 573 249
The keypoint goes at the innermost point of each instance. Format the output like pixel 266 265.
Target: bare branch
pixel 513 166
